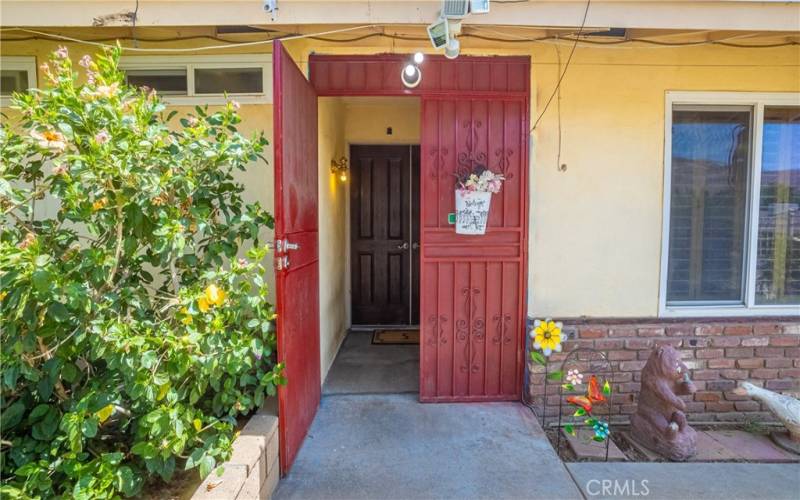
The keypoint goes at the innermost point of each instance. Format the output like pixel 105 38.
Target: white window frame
pixel 23 63
pixel 190 63
pixel 757 100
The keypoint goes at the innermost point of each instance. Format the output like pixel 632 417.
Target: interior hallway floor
pixel 372 439
pixel 361 367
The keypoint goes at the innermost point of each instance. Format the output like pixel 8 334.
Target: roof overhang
pixel 769 15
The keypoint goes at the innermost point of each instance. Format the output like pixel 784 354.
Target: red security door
pixel 472 287
pixel 296 251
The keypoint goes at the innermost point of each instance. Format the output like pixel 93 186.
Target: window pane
pixel 230 80
pixel 13 80
pixel 778 264
pixel 710 162
pixel 164 81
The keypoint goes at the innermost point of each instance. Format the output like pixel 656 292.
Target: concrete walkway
pixel 368 443
pixel 392 447
pixel 687 481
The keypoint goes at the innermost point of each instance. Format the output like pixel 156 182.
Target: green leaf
pixel 13 415
pixel 579 412
pixel 606 388
pixel 556 375
pixel 144 450
pixel 568 387
pixel 41 280
pixel 538 357
pixel 89 427
pixel 149 359
pixel 599 439
pixel 206 465
pixel 126 482
pixel 569 429
pixel 590 421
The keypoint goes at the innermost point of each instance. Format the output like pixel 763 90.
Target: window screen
pixel 13 80
pixel 228 80
pixel 708 204
pixel 164 81
pixel 778 256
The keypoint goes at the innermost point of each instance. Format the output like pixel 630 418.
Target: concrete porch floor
pixel 368 443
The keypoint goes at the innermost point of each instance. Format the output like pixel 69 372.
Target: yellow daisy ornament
pixel 547 336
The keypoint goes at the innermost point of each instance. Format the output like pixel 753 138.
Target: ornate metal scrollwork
pixel 502 321
pixel 438 156
pixel 504 161
pixel 470 158
pixel 437 330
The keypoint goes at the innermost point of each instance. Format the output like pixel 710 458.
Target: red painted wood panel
pixel 380 75
pixel 295 129
pixel 473 287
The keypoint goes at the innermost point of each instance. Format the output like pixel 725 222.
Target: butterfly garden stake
pixel 585 401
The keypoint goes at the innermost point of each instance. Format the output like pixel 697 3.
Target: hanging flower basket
pixel 474 198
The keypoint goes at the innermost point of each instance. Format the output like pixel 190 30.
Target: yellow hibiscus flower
pixel 187 319
pixel 214 295
pixel 547 336
pixel 203 304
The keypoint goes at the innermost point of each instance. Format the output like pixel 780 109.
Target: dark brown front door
pixel 384 233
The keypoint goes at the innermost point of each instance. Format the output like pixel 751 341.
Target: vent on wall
pixel 610 32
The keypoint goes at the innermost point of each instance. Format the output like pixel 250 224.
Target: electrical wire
pixel 566 66
pixel 318 36
pixel 185 49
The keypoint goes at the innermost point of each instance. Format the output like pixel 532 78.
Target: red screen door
pixel 472 287
pixel 296 251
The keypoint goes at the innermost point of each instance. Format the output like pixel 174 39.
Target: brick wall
pixel 719 354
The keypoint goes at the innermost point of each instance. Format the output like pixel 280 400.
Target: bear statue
pixel 660 422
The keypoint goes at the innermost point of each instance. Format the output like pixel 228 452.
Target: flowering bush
pixel 132 334
pixel 482 180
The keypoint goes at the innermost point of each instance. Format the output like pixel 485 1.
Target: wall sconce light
pixel 339 168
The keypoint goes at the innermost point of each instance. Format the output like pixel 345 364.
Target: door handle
pixel 285 246
pixel 415 246
pixel 403 246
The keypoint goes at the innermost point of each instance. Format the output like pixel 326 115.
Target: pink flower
pixel 62 52
pixel 28 241
pixel 101 137
pixel 85 61
pixel 236 104
pixel 242 262
pixel 60 170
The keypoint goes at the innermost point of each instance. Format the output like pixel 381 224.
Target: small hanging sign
pixel 451 218
pixel 472 209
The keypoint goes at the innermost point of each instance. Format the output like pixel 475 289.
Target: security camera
pixel 439 33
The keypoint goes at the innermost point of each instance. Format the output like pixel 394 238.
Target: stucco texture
pixel 595 228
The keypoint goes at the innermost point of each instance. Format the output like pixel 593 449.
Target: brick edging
pixel 253 470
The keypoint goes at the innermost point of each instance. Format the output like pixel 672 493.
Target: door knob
pixel 403 246
pixel 415 246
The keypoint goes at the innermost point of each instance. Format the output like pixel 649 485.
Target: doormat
pixel 389 337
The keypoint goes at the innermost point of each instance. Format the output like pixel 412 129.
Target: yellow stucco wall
pixel 595 235
pixel 595 239
pixel 332 234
